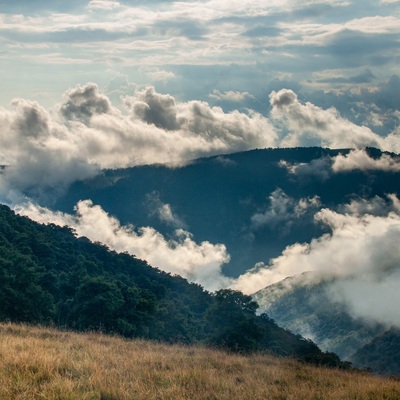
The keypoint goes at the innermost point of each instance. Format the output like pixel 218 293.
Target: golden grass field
pixel 43 363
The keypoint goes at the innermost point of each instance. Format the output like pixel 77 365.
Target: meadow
pixel 44 363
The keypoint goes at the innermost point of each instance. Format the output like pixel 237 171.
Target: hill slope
pixel 49 276
pixel 45 363
pixel 382 354
pixel 304 307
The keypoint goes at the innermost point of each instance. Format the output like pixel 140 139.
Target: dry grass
pixel 41 363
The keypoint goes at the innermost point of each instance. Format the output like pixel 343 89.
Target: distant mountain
pixel 256 202
pixel 48 276
pixel 304 307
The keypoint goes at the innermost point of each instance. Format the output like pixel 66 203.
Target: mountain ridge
pixel 215 198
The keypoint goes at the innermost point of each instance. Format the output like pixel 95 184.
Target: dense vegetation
pixel 48 276
pixel 382 354
pixel 44 363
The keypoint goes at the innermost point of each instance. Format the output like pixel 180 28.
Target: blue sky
pixel 203 50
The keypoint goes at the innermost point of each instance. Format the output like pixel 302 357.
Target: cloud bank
pixel 200 263
pixel 361 253
pixel 307 124
pixel 354 160
pixel 359 160
pixel 44 151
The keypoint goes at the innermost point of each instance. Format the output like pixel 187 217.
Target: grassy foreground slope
pixel 43 363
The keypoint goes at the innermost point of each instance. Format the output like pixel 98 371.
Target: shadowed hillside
pixel 219 198
pixel 304 307
pixel 381 354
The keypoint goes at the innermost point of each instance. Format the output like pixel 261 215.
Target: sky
pixel 336 53
pixel 99 84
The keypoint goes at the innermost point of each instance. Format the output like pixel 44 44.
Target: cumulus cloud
pixel 39 154
pixel 198 262
pixel 83 102
pixel 308 124
pixel 359 160
pixel 361 252
pixel 320 168
pixel 210 124
pixel 44 150
pixel 155 108
pixel 283 209
pixel 375 206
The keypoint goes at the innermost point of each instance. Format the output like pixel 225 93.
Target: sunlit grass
pixel 42 363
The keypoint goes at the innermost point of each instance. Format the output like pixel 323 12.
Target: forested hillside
pixel 382 354
pixel 49 276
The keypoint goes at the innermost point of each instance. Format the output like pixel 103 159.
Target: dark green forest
pixel 382 354
pixel 50 277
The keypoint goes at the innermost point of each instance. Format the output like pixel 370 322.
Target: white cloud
pixel 308 124
pixel 39 153
pixel 361 253
pixel 157 74
pixel 359 160
pixel 320 168
pixel 103 5
pixel 230 95
pixel 163 211
pixel 200 263
pixel 88 132
pixel 389 1
pixel 46 150
pixel 283 209
pixel 375 206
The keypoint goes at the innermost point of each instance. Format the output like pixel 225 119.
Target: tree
pixel 96 304
pixel 233 323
